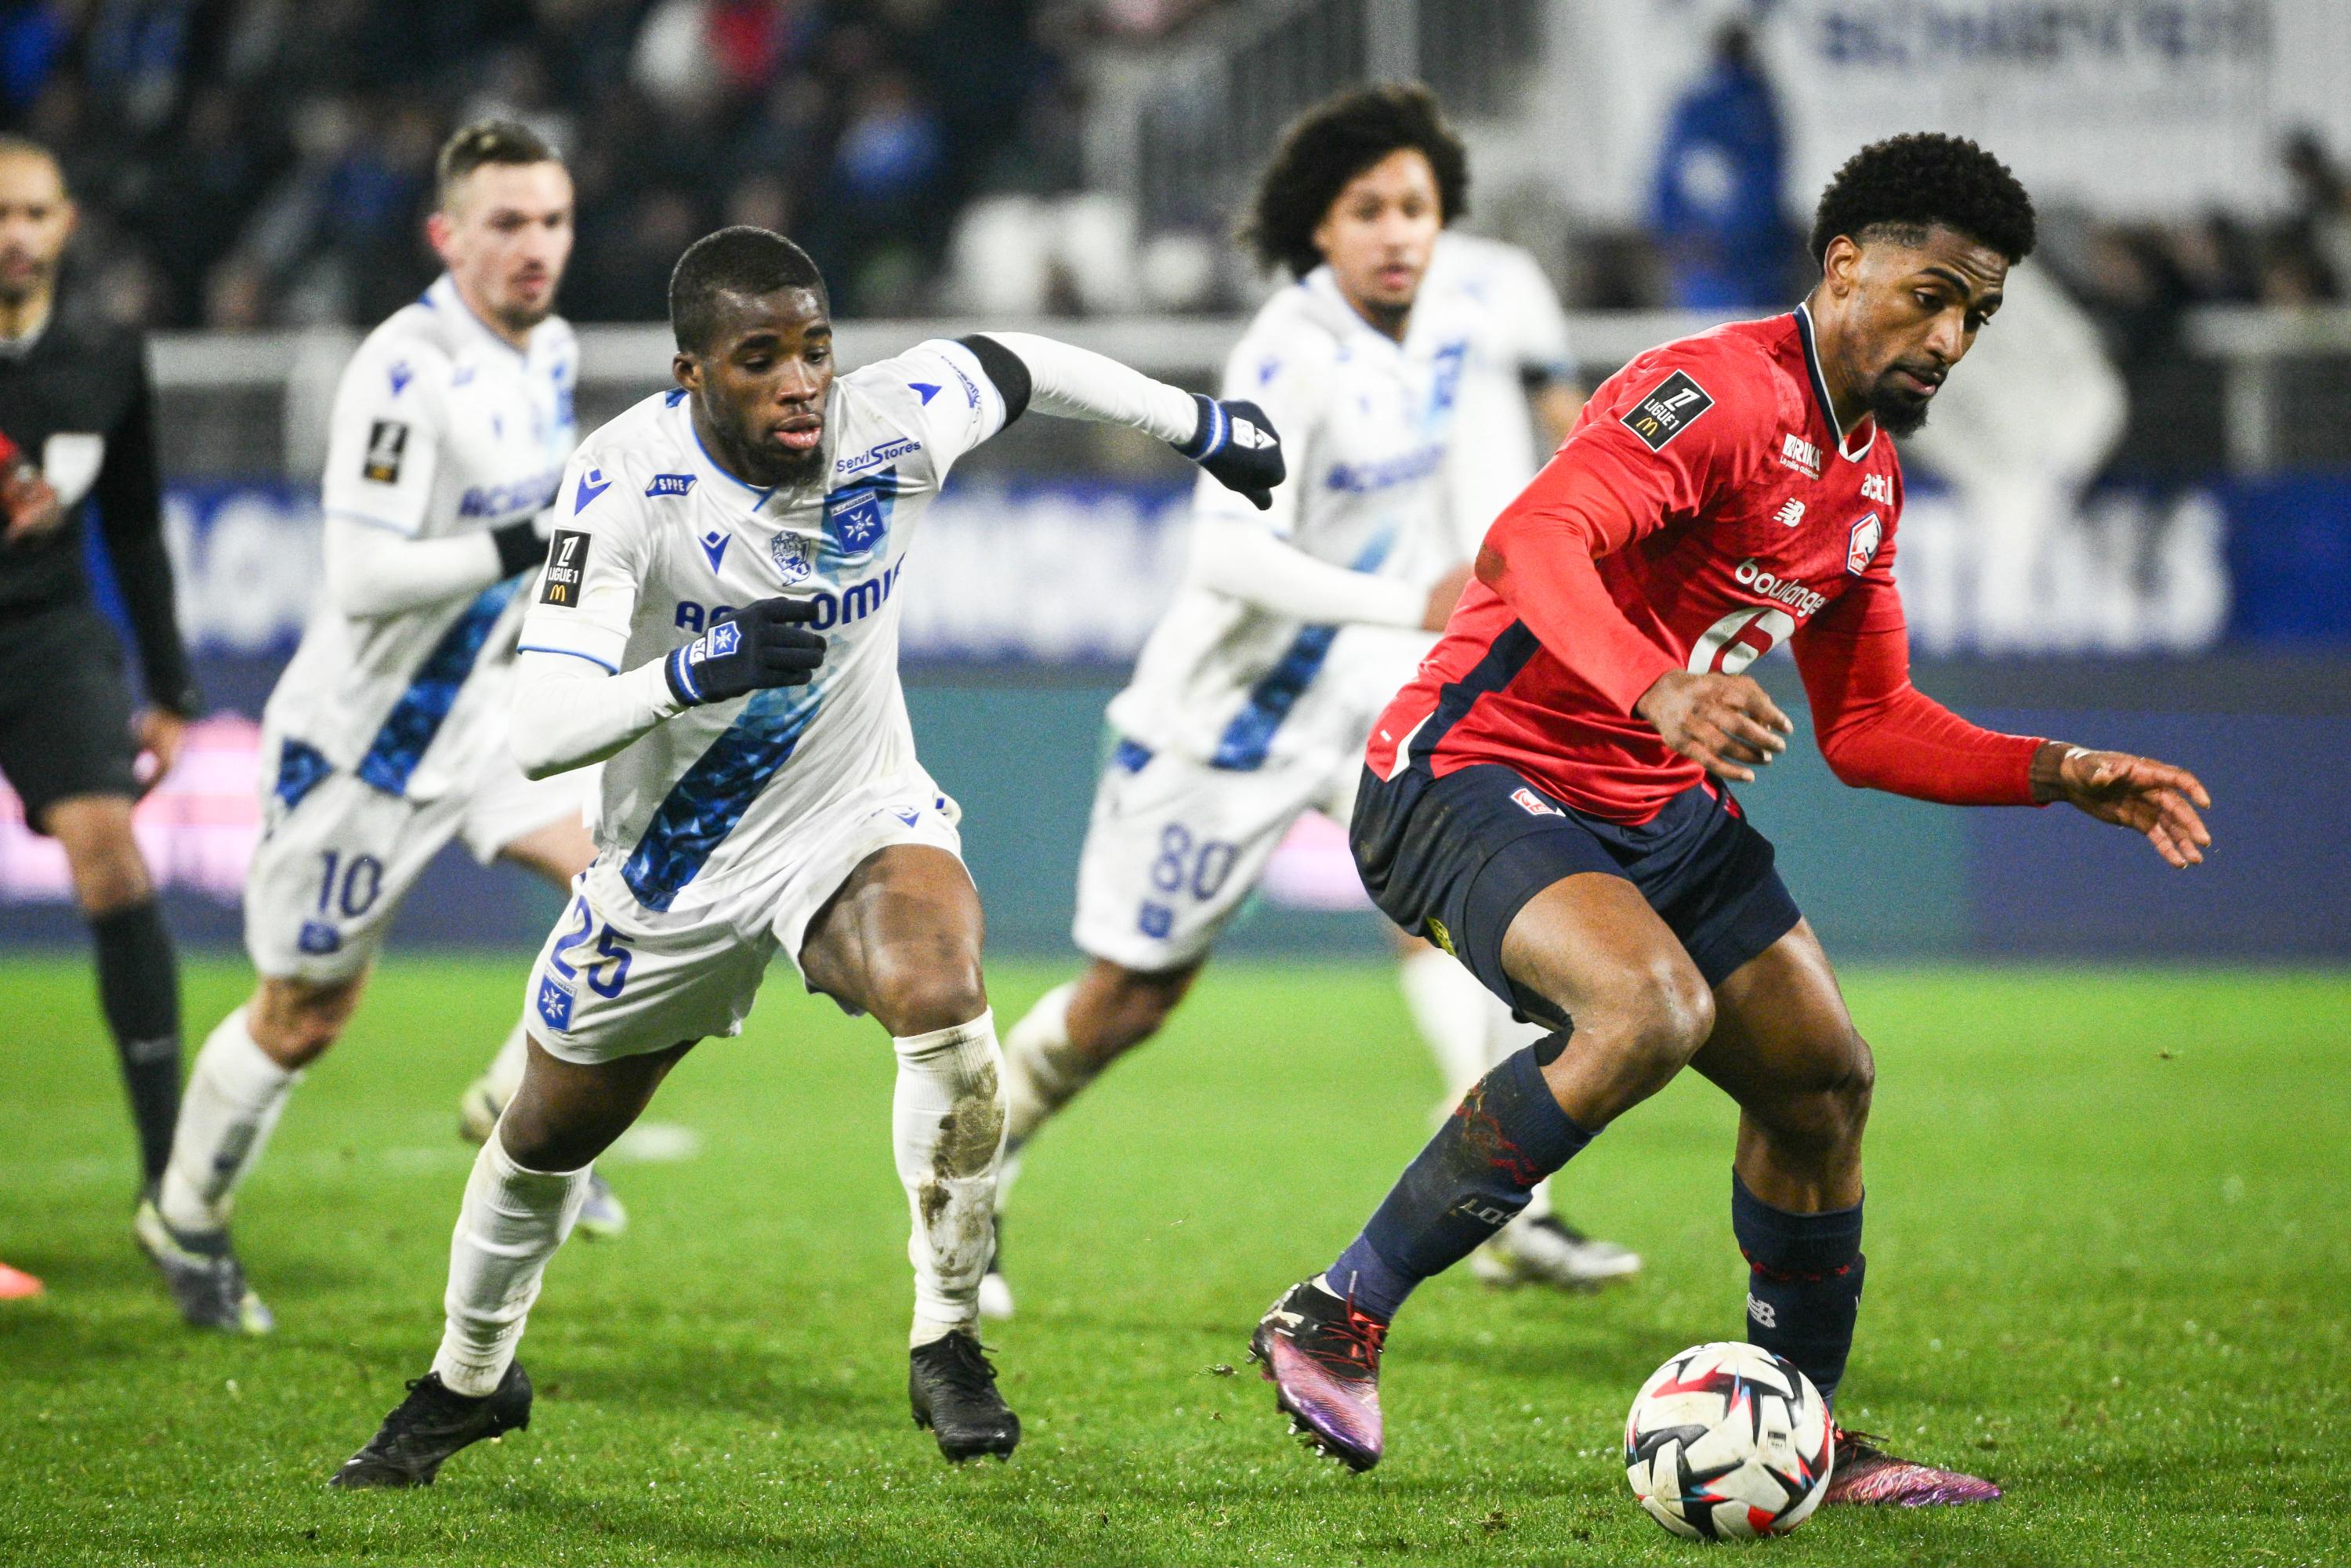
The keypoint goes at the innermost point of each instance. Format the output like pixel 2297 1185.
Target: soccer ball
pixel 1728 1440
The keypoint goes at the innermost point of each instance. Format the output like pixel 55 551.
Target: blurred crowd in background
pixel 249 163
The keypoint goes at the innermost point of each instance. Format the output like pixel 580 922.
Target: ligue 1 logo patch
pixel 386 439
pixel 793 559
pixel 566 567
pixel 1666 412
pixel 1861 547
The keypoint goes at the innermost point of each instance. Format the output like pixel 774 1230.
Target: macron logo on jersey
pixel 713 545
pixel 592 484
pixel 670 484
pixel 928 390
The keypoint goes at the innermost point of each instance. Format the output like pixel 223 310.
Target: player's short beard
pixel 1896 414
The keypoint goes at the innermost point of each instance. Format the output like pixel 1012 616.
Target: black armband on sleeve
pixel 520 549
pixel 1005 368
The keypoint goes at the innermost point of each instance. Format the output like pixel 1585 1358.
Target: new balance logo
pixel 1763 1314
pixel 1790 514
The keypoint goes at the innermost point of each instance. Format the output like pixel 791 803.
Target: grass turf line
pixel 2108 1266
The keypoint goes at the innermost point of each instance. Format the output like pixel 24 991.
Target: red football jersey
pixel 1705 510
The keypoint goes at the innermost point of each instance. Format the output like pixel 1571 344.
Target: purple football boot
pixel 1868 1473
pixel 1323 1357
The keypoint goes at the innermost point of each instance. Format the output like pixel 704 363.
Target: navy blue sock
pixel 1472 1179
pixel 1803 1285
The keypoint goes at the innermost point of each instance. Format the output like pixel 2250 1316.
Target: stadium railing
pixel 254 405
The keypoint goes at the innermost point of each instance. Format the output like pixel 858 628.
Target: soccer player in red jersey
pixel 1546 801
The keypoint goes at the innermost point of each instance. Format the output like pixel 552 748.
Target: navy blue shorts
pixel 1455 859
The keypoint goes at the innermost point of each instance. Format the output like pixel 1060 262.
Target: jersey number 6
pixel 1739 639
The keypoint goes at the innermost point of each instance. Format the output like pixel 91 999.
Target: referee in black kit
pixel 77 406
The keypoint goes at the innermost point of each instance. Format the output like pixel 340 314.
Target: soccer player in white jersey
pixel 717 623
pixel 1253 700
pixel 386 735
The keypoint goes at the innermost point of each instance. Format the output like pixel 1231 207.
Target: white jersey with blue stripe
pixel 654 538
pixel 440 427
pixel 1522 336
pixel 1366 425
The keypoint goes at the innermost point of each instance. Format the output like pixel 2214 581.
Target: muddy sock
pixel 947 1124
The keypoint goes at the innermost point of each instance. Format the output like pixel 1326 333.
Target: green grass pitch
pixel 2110 1264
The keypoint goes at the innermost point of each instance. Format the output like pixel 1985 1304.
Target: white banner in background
pixel 2131 108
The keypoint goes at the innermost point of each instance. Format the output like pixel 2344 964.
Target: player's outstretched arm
pixel 2147 797
pixel 1245 560
pixel 569 714
pixel 374 571
pixel 1233 440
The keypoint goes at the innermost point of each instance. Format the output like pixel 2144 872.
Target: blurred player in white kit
pixel 1398 368
pixel 386 737
pixel 717 624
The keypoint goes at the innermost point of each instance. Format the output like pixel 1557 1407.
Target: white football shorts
pixel 616 979
pixel 1175 847
pixel 336 855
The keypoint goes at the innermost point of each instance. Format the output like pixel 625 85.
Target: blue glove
pixel 1238 443
pixel 766 644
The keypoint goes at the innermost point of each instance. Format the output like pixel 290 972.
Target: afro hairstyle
pixel 1332 143
pixel 1907 185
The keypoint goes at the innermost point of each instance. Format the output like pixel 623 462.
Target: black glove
pixel 1238 444
pixel 521 548
pixel 767 644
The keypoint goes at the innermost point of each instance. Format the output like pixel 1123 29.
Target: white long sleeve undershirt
pixel 567 713
pixel 372 570
pixel 1078 384
pixel 1241 560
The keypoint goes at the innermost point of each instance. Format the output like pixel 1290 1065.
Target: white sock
pixel 1449 1008
pixel 947 1124
pixel 1041 1071
pixel 233 1100
pixel 511 1223
pixel 503 1074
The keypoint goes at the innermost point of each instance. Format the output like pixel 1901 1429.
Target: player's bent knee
pixel 296 1020
pixel 920 997
pixel 1117 1008
pixel 1825 1115
pixel 1656 1019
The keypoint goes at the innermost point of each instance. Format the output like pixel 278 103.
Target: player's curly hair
pixel 743 259
pixel 1332 143
pixel 1907 185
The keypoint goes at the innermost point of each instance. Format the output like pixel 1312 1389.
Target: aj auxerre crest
pixel 794 557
